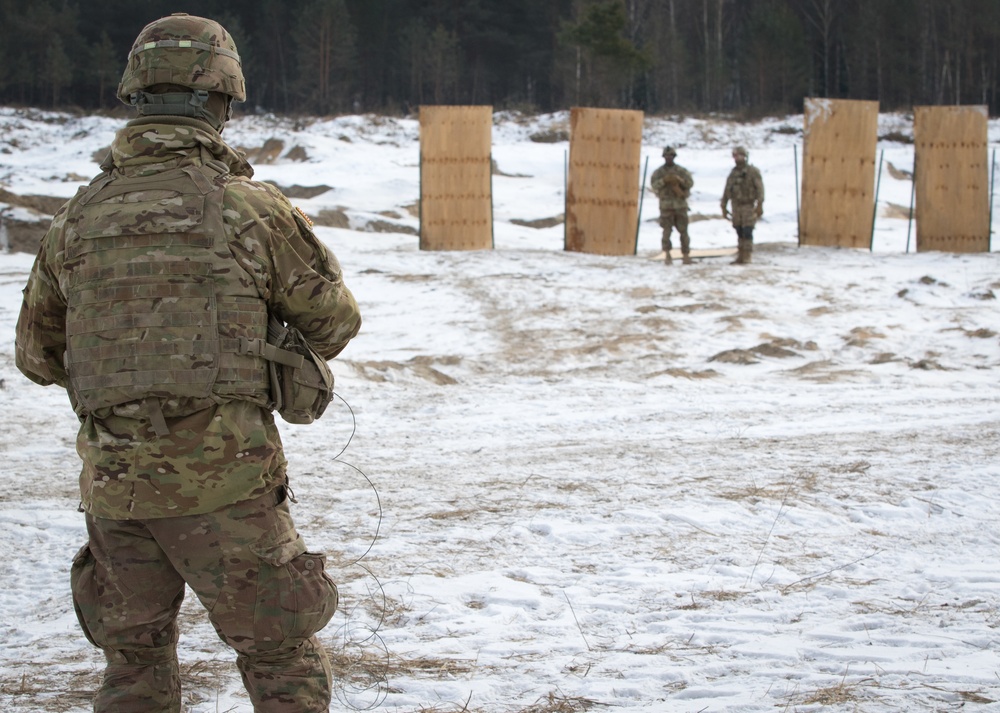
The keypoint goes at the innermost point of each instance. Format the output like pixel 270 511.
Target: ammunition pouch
pixel 301 380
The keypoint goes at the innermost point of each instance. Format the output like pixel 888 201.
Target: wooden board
pixel 676 254
pixel 456 198
pixel 952 178
pixel 602 192
pixel 838 176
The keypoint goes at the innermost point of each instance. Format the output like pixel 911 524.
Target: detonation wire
pixel 359 667
pixel 378 500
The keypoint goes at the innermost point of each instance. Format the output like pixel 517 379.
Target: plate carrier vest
pixel 159 312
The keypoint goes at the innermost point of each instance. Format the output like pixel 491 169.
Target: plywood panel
pixel 602 193
pixel 456 201
pixel 838 177
pixel 952 178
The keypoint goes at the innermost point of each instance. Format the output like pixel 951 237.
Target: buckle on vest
pixel 155 415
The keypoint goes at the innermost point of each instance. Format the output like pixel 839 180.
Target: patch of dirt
pixel 776 351
pixel 46 205
pixel 420 367
pixel 981 333
pixel 894 210
pixel 687 373
pixel 267 153
pixel 331 218
pixel 541 222
pixel 550 136
pixel 826 372
pixel 788 343
pixel 860 336
pixel 699 307
pixel 303 192
pixel 495 170
pixel 817 311
pixel 927 365
pixel 297 154
pixel 898 173
pixel 338 218
pixel 736 356
pixel 384 226
pixel 25 237
pixel 898 136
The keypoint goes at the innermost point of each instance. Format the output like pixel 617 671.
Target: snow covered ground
pixel 576 482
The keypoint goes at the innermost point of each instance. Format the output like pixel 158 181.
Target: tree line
pixel 748 57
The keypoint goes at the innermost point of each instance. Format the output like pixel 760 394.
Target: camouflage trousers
pixel 744 215
pixel 670 219
pixel 265 595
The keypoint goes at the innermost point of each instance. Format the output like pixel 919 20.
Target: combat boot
pixel 741 253
pixel 685 248
pixel 667 260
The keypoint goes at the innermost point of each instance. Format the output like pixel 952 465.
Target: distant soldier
pixel 745 188
pixel 672 185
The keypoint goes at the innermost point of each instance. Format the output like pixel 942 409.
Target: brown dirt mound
pixel 541 222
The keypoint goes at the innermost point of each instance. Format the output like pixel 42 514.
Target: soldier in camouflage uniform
pixel 672 185
pixel 148 302
pixel 745 188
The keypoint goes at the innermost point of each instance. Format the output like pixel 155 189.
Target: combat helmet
pixel 187 51
pixel 669 151
pixel 741 151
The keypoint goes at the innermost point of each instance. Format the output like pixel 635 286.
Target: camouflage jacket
pixel 231 451
pixel 744 187
pixel 672 185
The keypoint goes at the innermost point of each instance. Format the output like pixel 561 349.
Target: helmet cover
pixel 186 50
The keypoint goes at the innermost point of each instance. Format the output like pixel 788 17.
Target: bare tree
pixel 822 15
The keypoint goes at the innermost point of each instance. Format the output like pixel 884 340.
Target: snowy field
pixel 575 482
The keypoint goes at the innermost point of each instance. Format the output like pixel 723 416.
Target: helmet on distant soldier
pixel 741 151
pixel 182 51
pixel 669 151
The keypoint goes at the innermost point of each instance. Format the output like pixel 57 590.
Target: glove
pixel 759 210
pixel 725 213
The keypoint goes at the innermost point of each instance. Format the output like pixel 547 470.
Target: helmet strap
pixel 192 104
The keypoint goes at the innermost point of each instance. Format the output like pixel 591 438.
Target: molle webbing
pixel 159 311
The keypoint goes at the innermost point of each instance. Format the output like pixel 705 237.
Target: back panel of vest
pixel 157 306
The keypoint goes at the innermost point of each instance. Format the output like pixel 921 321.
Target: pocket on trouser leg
pixel 86 602
pixel 295 596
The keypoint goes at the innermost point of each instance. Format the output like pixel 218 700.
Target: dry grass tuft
pixel 36 690
pixel 374 664
pixel 556 703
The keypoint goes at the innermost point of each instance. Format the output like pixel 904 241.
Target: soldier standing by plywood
pixel 672 185
pixel 745 189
